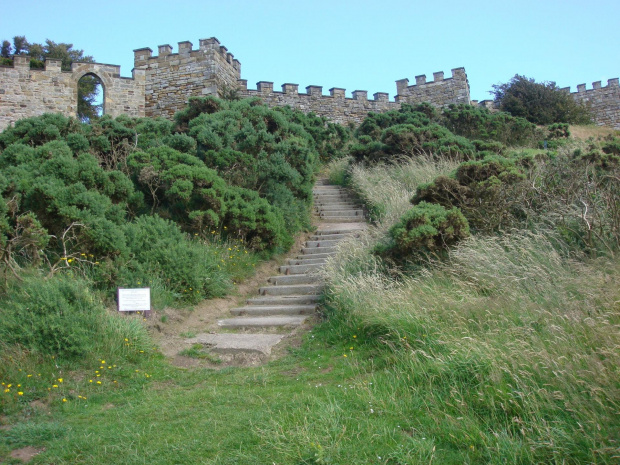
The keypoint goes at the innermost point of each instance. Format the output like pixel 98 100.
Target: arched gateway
pixel 26 92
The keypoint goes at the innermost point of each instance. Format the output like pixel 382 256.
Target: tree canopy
pixel 539 102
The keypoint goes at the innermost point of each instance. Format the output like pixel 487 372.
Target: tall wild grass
pixel 506 352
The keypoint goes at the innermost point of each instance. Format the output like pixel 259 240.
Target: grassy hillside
pixel 476 321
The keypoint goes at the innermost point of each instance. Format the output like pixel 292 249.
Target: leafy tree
pixel 539 102
pixel 6 49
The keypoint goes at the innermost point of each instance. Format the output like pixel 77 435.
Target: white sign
pixel 134 300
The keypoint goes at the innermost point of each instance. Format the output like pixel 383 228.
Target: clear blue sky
pixel 365 45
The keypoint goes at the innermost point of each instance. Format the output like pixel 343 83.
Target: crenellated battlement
pixel 28 92
pixel 440 91
pixel 162 83
pixel 171 78
pixel 336 106
pixel 603 101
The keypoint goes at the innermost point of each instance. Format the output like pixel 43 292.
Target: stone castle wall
pixel 340 109
pixel 162 84
pixel 26 92
pixel 171 78
pixel 604 102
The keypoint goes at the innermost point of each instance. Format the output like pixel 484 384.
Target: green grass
pixel 198 351
pixel 507 352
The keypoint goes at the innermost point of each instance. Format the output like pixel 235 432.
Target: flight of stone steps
pixel 291 297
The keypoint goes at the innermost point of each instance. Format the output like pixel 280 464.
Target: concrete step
pixel 345 212
pixel 298 269
pixel 274 310
pixel 292 289
pixel 321 243
pixel 327 189
pixel 340 206
pixel 344 219
pixel 292 279
pixel 309 299
pixel 317 250
pixel 333 199
pixel 317 255
pixel 262 322
pixel 306 260
pixel 348 230
pixel 328 237
pixel 233 344
pixel 337 196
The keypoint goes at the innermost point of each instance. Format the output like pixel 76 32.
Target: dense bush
pixel 410 131
pixel 539 102
pixel 426 228
pixel 479 123
pixel 459 131
pixel 159 250
pixel 482 189
pixel 69 192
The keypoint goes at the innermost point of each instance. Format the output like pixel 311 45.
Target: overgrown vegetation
pixel 185 208
pixel 475 321
pixel 539 102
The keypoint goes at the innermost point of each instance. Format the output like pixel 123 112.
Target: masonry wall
pixel 337 108
pixel 604 102
pixel 26 92
pixel 439 92
pixel 171 78
pixel 334 106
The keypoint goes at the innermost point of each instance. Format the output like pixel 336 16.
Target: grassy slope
pixel 508 355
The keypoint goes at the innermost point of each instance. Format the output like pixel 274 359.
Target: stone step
pixel 333 199
pixel 344 219
pixel 336 196
pixel 328 237
pixel 347 212
pixel 232 344
pixel 292 279
pixel 284 300
pixel 317 251
pixel 317 255
pixel 306 260
pixel 323 189
pixel 262 322
pixel 318 244
pixel 274 310
pixel 342 206
pixel 347 230
pixel 298 269
pixel 291 289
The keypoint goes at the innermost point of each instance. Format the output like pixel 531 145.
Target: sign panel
pixel 134 300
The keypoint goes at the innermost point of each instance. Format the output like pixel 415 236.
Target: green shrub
pixel 57 316
pixel 160 250
pixel 426 228
pixel 558 131
pixel 481 189
pixel 479 123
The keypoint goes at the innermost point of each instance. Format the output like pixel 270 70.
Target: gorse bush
pixel 479 123
pixel 426 229
pixel 459 131
pixel 71 192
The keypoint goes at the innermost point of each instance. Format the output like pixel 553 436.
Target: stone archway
pixel 91 95
pixel 98 72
